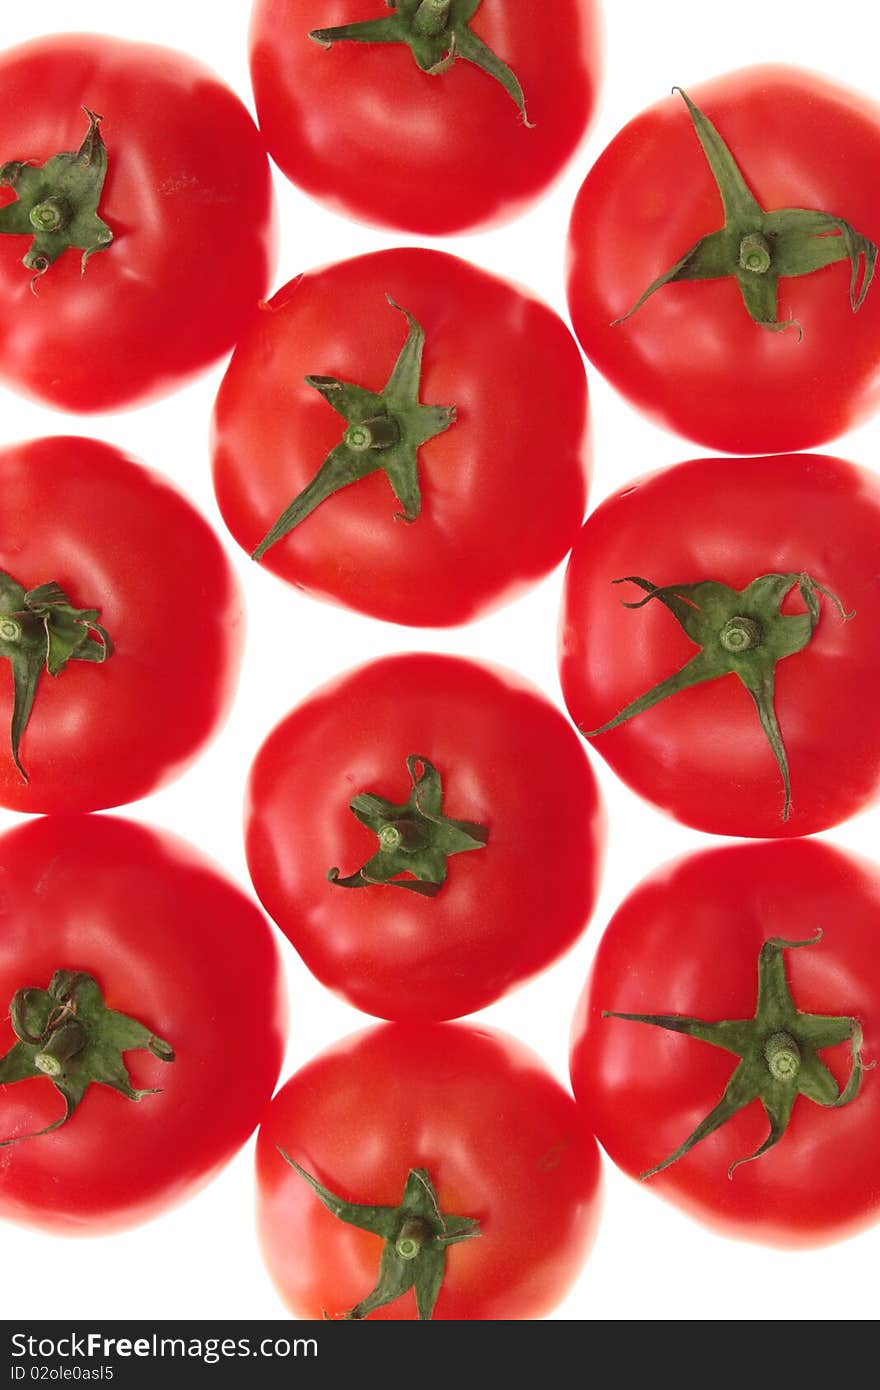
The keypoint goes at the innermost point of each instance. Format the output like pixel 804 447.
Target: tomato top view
pixel 432 116
pixel 121 628
pixel 763 953
pixel 427 832
pixel 145 1026
pixel 721 257
pixel 137 222
pixel 450 1154
pixel 404 434
pixel 720 641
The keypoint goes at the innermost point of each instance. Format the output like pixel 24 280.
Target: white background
pixel 202 1260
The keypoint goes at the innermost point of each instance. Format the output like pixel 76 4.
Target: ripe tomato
pixel 808 528
pixel 156 638
pixel 685 946
pixel 526 847
pixel 174 946
pixel 472 743
pixel 494 497
pixel 498 1139
pixel 187 199
pixel 363 130
pixel 691 355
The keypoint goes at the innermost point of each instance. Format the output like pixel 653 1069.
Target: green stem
pixel 417 1236
pixel 783 1056
pixel 431 17
pixel 40 633
pixel 437 33
pixel 379 432
pixel 741 634
pixel 53 215
pixel 385 431
pixel 416 838
pixel 69 1036
pixel 403 834
pixel 778 1050
pixel 56 203
pixel 413 1235
pixel 757 247
pixel 754 253
pixel 64 1042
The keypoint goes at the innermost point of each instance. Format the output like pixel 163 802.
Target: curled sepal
pixel 385 430
pixel 759 248
pixel 416 1235
pixel 740 632
pixel 57 202
pixel 40 629
pixel 778 1050
pixel 415 837
pixel 437 32
pixel 67 1034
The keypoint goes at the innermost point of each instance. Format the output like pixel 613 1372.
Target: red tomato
pixel 701 754
pixel 511 768
pixel 363 130
pixel 687 942
pixel 172 944
pixel 187 197
pixel 691 356
pixel 500 1140
pixel 123 543
pixel 503 486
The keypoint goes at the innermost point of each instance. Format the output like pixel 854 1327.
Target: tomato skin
pixel 121 538
pixel 501 1139
pixel 188 195
pixel 508 760
pixel 503 490
pixel 686 941
pixel 701 755
pixel 361 129
pixel 173 943
pixel 691 357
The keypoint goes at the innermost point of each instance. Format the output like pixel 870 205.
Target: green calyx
pixel 385 430
pixel 57 202
pixel 436 33
pixel 40 630
pixel 68 1034
pixel 739 632
pixel 779 1055
pixel 415 838
pixel 417 1236
pixel 759 248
